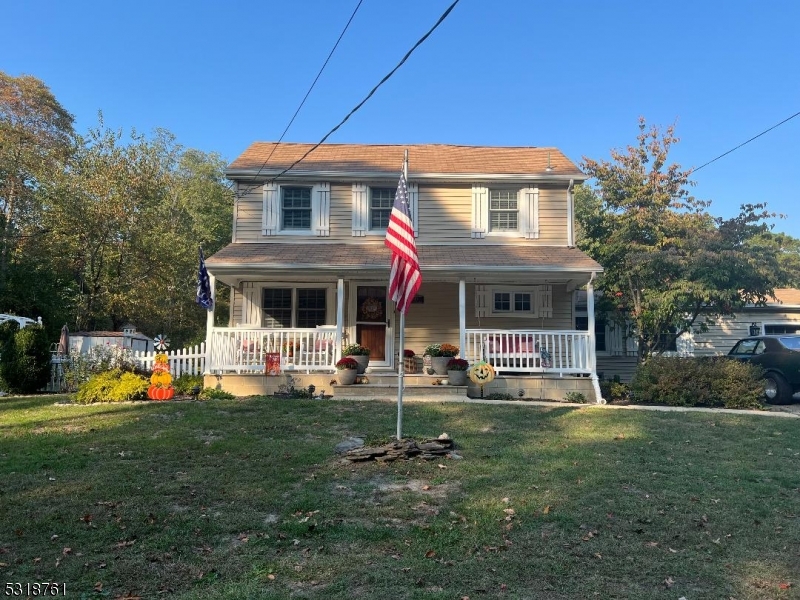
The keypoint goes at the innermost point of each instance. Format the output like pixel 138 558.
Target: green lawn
pixel 246 499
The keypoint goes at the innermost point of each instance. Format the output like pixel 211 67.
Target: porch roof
pixel 237 262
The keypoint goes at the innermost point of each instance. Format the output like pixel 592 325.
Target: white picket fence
pixel 186 361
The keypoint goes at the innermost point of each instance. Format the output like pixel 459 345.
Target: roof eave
pixel 295 267
pixel 257 176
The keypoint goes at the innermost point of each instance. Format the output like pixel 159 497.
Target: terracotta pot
pixel 457 377
pixel 362 361
pixel 346 376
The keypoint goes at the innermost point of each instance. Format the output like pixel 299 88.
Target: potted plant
pixel 346 371
pixel 409 361
pixel 358 353
pixel 457 371
pixel 440 355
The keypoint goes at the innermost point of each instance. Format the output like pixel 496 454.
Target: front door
pixel 373 323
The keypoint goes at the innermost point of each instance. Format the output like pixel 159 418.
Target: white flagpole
pixel 401 366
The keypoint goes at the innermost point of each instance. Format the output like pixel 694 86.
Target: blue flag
pixel 204 298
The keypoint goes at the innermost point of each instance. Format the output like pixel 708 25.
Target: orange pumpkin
pixel 155 392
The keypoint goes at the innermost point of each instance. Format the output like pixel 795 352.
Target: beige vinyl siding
pixel 552 216
pixel 247 213
pixel 445 212
pixel 620 366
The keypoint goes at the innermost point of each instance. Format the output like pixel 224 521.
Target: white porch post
pixel 337 354
pixel 212 282
pixel 592 352
pixel 462 317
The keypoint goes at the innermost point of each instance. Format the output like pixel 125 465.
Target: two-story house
pixel 308 269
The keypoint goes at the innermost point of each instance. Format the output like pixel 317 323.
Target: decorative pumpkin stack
pixel 161 380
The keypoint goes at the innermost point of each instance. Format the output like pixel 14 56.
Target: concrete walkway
pixel 791 411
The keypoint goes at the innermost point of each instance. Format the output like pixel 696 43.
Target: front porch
pixel 489 319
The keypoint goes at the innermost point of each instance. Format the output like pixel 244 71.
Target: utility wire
pixel 325 64
pixel 360 104
pixel 747 142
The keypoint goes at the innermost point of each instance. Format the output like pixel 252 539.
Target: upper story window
pixel 295 208
pixel 380 207
pixel 503 210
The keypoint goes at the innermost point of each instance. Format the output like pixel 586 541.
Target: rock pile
pixel 403 449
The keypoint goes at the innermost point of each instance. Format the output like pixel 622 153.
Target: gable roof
pixel 429 161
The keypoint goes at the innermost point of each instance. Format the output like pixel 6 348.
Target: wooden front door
pixel 372 321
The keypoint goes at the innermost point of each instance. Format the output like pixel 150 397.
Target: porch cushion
pixel 513 345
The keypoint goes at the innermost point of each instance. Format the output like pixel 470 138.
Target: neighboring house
pixel 308 269
pixel 780 315
pixel 21 321
pixel 82 341
pixel 617 355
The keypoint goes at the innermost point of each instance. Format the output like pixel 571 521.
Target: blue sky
pixel 575 75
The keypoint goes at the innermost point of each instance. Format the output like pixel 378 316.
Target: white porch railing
pixel 523 351
pixel 238 349
pixel 186 361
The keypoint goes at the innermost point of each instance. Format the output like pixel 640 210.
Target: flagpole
pixel 401 353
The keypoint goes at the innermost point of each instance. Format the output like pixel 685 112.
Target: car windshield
pixel 793 342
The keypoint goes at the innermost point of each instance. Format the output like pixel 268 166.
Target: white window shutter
pixel 480 211
pixel 321 209
pixel 360 209
pixel 529 213
pixel 543 301
pixel 271 211
pixel 250 305
pixel 482 301
pixel 413 200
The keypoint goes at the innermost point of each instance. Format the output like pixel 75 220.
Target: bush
pixel 576 397
pixel 457 364
pixel 613 390
pixel 210 393
pixel 112 386
pixel 99 359
pixel 24 358
pixel 355 350
pixel 698 381
pixel 185 383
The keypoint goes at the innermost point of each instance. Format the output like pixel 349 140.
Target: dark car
pixel 779 356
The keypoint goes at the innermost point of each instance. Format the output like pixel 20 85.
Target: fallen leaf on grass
pixel 98 587
pixel 271 577
pixel 441 466
pixel 546 509
pixel 619 436
pixel 785 586
pixel 430 554
pixel 669 582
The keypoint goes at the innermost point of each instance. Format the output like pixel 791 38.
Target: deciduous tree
pixel 670 267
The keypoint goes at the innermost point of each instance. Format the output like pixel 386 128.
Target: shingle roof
pixel 422 158
pixel 787 296
pixel 377 256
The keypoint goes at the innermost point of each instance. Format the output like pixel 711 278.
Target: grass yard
pixel 246 499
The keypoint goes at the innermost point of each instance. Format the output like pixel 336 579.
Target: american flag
pixel 405 278
pixel 204 298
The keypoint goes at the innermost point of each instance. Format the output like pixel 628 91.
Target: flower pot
pixel 346 376
pixel 362 361
pixel 457 377
pixel 439 364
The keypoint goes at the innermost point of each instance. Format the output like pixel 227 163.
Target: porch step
pixel 388 391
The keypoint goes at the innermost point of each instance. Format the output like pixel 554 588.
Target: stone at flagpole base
pixel 406 449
